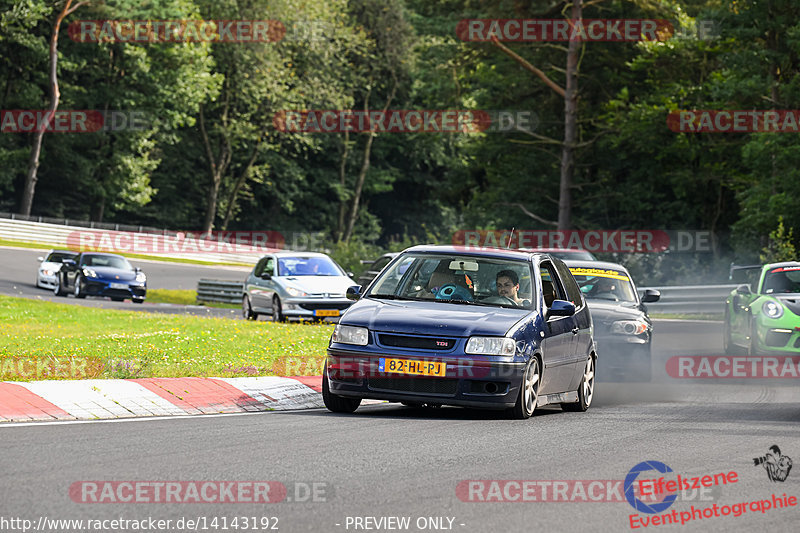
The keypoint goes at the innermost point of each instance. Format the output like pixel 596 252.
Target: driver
pixel 508 286
pixel 605 288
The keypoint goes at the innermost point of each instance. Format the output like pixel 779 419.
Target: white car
pixel 49 265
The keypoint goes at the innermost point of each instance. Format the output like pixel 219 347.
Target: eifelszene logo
pixel 777 466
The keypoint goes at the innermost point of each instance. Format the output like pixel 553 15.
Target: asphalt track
pixel 18 268
pixel 387 460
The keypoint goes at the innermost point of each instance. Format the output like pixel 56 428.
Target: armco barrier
pixel 688 299
pixel 55 235
pixel 226 292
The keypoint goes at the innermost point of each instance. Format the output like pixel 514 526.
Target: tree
pixel 55 96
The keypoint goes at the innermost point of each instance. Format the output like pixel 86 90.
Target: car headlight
pixel 89 273
pixel 47 272
pixel 629 327
pixel 490 346
pixel 295 292
pixel 350 335
pixel 772 309
pixel 141 277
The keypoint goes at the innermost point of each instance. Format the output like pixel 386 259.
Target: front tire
pixel 528 392
pixel 585 389
pixel 334 403
pixel 247 310
pixel 752 347
pixel 58 289
pixel 277 314
pixel 78 292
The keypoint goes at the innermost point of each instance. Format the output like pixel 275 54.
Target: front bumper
pixel 623 357
pixel 114 289
pixel 314 307
pixel 46 281
pixel 468 382
pixel 778 339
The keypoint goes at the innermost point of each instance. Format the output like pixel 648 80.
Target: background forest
pixel 210 156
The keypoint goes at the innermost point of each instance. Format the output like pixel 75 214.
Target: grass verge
pixel 44 340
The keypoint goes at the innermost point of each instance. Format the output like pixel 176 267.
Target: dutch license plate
pixel 326 312
pixel 118 285
pixel 406 366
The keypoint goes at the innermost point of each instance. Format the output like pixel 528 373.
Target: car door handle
pixel 575 330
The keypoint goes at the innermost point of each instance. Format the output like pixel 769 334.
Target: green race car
pixel 766 320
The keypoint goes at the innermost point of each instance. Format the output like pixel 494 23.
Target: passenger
pixel 604 289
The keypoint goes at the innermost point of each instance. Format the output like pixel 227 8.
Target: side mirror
pixel 561 308
pixel 651 295
pixel 350 275
pixel 743 289
pixel 353 292
pixel 266 276
pixel 137 269
pixel 40 259
pixel 70 264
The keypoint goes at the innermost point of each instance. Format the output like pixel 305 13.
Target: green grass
pixel 39 246
pixel 128 344
pixel 172 296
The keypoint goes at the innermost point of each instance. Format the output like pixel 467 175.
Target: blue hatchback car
pixel 486 328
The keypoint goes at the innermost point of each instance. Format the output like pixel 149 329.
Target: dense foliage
pixel 211 156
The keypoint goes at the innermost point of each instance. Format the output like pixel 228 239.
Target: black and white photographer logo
pixel 777 466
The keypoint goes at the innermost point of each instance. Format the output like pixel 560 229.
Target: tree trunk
pixel 216 170
pixel 238 185
pixel 33 163
pixel 570 127
pixel 343 182
pixel 365 165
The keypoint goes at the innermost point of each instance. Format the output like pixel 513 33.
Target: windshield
pixel 605 284
pixel 782 280
pixel 110 261
pixel 58 257
pixel 461 279
pixel 308 266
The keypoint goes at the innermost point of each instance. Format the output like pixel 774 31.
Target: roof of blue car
pixel 472 250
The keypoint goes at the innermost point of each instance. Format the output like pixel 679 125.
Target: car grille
pixel 421 343
pixel 777 338
pixel 444 387
pixel 322 305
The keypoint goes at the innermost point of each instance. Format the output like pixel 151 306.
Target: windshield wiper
pixel 387 297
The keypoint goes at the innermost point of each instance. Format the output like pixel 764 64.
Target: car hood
pixel 603 314
pixel 49 265
pixel 318 284
pixel 791 302
pixel 114 274
pixel 432 318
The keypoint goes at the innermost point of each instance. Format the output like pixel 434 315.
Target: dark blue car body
pixel 101 274
pixel 429 331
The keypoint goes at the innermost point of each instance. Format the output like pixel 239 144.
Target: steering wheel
pixel 451 291
pixel 501 300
